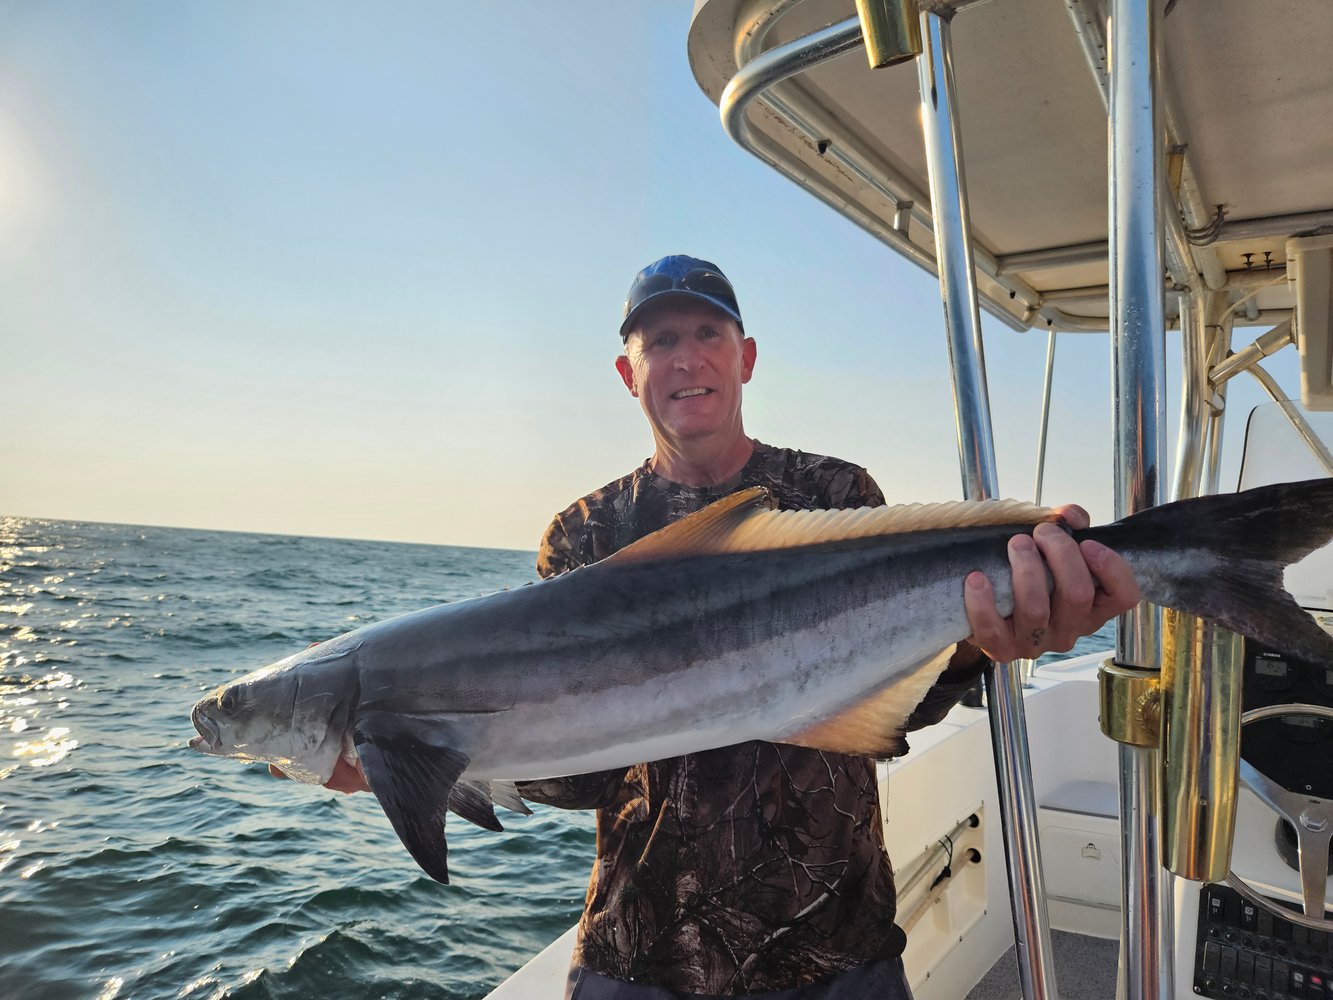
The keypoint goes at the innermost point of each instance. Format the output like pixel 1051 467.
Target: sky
pixel 356 270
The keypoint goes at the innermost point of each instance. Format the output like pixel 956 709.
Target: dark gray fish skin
pixel 1222 558
pixel 636 659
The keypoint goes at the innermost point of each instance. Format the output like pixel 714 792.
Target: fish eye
pixel 227 702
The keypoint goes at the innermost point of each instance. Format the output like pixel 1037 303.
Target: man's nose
pixel 687 357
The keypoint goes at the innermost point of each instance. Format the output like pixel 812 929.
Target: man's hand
pixel 1092 585
pixel 345 778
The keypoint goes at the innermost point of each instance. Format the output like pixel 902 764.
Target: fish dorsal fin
pixel 745 522
pixel 704 532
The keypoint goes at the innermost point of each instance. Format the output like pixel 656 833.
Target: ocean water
pixel 131 866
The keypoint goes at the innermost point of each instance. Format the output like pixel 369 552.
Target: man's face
pixel 686 362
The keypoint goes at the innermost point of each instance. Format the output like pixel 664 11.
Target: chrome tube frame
pixel 1137 296
pixel 976 450
pixel 1077 253
pixel 763 73
pixel 1269 343
pixel 1186 205
pixel 1045 414
pixel 1219 345
pixel 1298 224
pixel 953 243
pixel 1138 360
pixel 1268 227
pixel 1088 18
pixel 1191 438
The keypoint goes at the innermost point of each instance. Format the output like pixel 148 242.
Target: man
pixel 760 868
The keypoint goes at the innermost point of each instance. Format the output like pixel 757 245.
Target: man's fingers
pixel 1118 591
pixel 1032 605
pixel 1074 590
pixel 1073 516
pixel 347 778
pixel 990 632
pixel 1062 590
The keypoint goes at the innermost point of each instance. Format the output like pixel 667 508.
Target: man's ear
pixel 748 353
pixel 627 374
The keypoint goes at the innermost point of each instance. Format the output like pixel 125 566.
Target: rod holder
pixel 892 31
pixel 1129 700
pixel 1201 707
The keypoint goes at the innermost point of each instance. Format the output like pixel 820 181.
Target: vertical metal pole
pixel 1045 414
pixel 953 251
pixel 1191 439
pixel 976 448
pixel 1138 360
pixel 1219 346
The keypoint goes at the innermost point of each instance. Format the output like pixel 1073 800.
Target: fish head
pixel 293 714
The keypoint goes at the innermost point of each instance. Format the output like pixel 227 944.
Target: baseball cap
pixel 679 277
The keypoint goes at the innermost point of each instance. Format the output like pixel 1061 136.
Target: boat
pixel 1158 818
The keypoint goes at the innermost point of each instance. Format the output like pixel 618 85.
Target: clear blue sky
pixel 337 269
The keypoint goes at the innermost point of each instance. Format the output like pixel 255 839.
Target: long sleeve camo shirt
pixel 746 869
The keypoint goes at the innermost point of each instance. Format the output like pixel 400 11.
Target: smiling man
pixel 760 868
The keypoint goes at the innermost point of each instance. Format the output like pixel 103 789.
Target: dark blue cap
pixel 679 277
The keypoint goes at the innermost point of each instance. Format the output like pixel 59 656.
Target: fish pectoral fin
pixel 475 801
pixel 414 782
pixel 472 801
pixel 505 795
pixel 875 726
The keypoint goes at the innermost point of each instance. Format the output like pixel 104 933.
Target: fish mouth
pixel 209 736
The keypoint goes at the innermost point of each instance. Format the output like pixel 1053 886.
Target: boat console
pixel 1246 953
pixel 1241 949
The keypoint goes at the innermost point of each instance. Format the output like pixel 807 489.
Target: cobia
pixel 819 628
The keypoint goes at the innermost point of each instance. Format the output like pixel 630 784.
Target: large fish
pixel 819 628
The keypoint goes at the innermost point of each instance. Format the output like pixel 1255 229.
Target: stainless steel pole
pixel 1219 345
pixel 1138 361
pixel 1192 436
pixel 1045 414
pixel 976 450
pixel 953 252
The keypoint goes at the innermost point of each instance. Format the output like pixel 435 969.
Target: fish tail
pixel 1222 558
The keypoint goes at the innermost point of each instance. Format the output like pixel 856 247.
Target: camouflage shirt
pixel 747 869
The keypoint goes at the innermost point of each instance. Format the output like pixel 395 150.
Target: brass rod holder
pixel 1201 705
pixel 1129 708
pixel 892 31
pixel 1201 746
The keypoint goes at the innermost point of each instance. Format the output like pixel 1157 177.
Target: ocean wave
pixel 201 878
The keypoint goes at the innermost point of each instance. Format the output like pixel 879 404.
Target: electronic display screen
pixel 1273 668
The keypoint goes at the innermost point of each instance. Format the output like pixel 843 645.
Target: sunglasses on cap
pixel 700 283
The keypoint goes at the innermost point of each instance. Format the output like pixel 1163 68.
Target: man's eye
pixel 707 332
